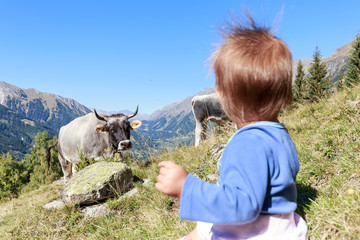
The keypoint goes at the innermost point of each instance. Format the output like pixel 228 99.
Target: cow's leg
pixel 73 169
pixel 200 132
pixel 203 131
pixel 66 168
pixel 118 156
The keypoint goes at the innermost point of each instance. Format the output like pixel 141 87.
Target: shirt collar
pixel 265 123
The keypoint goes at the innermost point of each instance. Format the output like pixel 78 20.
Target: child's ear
pixel 135 124
pixel 101 128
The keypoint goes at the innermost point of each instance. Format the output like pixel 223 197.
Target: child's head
pixel 253 71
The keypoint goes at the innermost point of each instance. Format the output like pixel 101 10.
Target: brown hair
pixel 253 71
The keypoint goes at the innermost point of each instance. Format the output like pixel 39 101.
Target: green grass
pixel 326 135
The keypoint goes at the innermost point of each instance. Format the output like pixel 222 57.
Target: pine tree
pixel 36 162
pixel 299 83
pixel 352 73
pixel 318 81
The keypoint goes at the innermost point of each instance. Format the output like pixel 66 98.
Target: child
pixel 255 196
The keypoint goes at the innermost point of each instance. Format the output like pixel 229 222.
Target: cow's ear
pixel 135 124
pixel 101 128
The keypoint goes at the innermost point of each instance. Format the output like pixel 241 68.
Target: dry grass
pixel 12 212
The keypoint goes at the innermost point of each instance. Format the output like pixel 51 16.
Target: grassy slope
pixel 327 139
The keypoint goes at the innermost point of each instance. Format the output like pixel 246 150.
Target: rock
pixel 353 104
pixel 58 203
pixel 147 183
pixel 97 182
pixel 96 211
pixel 130 193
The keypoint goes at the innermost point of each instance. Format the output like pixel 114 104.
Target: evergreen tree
pixel 352 73
pixel 299 83
pixel 318 81
pixel 36 162
pixel 32 171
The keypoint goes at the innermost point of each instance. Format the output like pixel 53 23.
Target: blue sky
pixel 114 55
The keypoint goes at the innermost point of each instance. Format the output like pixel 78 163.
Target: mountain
pixel 26 112
pixel 18 132
pixel 49 109
pixel 180 107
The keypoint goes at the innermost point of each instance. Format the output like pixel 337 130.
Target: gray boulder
pixel 97 182
pixel 96 211
pixel 54 204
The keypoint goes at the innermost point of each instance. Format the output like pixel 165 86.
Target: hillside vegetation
pixel 326 135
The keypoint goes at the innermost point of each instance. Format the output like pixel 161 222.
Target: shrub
pixel 13 177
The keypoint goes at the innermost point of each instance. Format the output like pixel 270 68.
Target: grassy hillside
pixel 326 135
pixel 327 139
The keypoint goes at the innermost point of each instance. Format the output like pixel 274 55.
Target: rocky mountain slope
pixel 17 133
pixel 26 112
pixel 52 110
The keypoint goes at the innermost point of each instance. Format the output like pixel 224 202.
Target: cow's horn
pixel 99 117
pixel 133 115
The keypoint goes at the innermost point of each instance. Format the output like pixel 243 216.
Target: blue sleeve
pixel 239 195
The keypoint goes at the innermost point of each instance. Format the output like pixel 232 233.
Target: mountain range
pixel 49 109
pixel 166 128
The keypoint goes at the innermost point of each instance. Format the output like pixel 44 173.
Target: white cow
pixel 205 108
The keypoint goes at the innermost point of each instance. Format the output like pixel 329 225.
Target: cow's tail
pixel 48 156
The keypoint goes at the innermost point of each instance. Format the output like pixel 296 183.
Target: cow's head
pixel 118 127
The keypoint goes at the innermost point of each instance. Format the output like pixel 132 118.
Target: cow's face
pixel 118 127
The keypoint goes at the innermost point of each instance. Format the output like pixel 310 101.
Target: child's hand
pixel 171 178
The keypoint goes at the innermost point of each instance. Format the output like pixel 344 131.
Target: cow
pixel 205 108
pixel 94 135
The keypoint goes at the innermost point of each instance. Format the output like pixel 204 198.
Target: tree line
pixel 30 173
pixel 318 84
